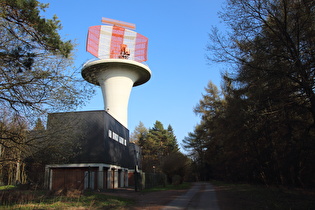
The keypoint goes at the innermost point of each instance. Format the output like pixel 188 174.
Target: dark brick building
pixel 103 157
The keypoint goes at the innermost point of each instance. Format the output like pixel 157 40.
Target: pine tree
pixel 265 131
pixel 34 61
pixel 139 134
pixel 156 143
pixel 39 126
pixel 172 140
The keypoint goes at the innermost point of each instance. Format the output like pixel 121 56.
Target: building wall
pixel 74 178
pixel 102 139
pixel 81 176
pixel 102 153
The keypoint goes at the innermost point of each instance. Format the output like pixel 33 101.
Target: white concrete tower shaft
pixel 116 78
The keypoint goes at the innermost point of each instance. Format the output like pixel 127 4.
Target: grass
pixel 7 187
pixel 26 199
pixel 245 196
pixel 230 196
pixel 183 186
pixel 13 198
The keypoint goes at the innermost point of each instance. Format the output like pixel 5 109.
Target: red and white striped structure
pixel 107 41
pixel 121 52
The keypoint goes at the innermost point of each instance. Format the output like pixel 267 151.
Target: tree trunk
pixel 18 173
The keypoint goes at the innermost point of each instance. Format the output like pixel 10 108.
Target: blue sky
pixel 178 35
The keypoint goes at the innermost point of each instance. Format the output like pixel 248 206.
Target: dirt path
pixel 149 200
pixel 200 194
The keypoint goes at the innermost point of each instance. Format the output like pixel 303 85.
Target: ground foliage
pixel 33 199
pixel 244 196
pixel 260 127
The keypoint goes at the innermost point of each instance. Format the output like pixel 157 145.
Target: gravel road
pixel 201 196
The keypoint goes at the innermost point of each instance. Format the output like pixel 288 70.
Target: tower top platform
pixel 91 69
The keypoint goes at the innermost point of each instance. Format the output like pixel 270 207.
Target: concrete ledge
pixel 91 69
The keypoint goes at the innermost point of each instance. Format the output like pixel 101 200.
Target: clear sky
pixel 178 35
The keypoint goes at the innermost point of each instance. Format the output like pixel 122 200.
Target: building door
pixel 67 178
pixel 105 176
pixel 119 178
pixel 89 180
pixel 113 179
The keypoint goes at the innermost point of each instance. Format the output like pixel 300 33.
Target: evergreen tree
pixel 155 145
pixel 172 140
pixel 139 134
pixel 208 133
pixel 39 125
pixel 275 78
pixel 261 128
pixel 35 61
pixel 165 141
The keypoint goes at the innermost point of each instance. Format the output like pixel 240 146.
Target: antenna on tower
pixel 118 23
pixel 117 40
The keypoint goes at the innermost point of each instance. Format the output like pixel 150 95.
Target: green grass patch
pixel 7 187
pixel 183 186
pixel 14 199
pixel 245 196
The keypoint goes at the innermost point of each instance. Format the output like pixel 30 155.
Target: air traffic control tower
pixel 121 53
pixel 105 158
